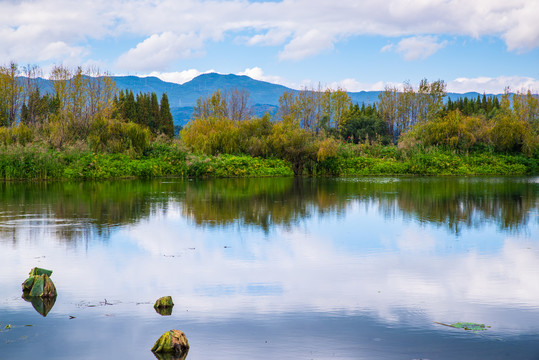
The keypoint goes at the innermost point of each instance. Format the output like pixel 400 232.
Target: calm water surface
pixel 274 268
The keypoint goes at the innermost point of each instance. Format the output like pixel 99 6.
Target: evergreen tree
pixel 449 106
pixel 130 108
pixel 25 115
pixel 166 121
pixel 154 114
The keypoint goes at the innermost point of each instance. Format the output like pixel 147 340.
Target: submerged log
pixel 173 342
pixel 164 305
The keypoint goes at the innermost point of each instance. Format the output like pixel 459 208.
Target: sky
pixel 479 45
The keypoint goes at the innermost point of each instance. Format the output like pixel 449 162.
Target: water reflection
pixel 83 211
pixel 171 356
pixel 252 263
pixel 41 305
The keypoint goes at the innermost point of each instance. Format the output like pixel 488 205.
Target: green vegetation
pixel 468 326
pixel 87 129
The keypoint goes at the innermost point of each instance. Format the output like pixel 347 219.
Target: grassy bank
pixel 37 162
pixel 434 163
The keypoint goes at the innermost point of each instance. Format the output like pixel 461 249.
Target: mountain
pixel 260 92
pixel 182 98
pixel 264 96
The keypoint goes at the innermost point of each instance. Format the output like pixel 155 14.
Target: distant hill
pixel 264 96
pixel 261 92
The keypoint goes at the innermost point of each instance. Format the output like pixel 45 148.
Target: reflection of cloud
pixel 313 275
pixel 230 271
pixel 413 241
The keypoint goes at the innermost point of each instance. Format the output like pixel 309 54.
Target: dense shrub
pixel 113 136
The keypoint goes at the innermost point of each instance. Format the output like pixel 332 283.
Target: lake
pixel 274 268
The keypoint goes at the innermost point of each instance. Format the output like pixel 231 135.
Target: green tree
pixel 154 124
pixel 360 126
pixel 166 121
pixel 214 106
pixel 10 94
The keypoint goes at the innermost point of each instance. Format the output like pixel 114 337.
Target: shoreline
pixel 34 162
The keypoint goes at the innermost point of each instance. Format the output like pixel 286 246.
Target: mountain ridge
pixel 263 95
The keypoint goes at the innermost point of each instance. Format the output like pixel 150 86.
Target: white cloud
pixel 273 37
pixel 352 85
pixel 304 28
pixel 387 48
pixel 495 85
pixel 489 85
pixel 179 77
pixel 416 47
pixel 51 30
pixel 158 51
pixel 307 44
pixel 258 74
pixel 60 49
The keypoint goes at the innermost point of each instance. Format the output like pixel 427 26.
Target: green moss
pixel 173 342
pixel 164 305
pixel 40 271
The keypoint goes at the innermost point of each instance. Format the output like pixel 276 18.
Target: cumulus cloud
pixel 307 44
pixel 179 77
pixel 51 30
pixel 273 37
pixel 302 28
pixel 495 85
pixel 159 51
pixel 489 85
pixel 416 47
pixel 353 85
pixel 258 74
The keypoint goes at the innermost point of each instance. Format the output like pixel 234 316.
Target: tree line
pixel 83 106
pixel 314 124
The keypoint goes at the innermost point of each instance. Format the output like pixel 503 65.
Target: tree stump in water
pixel 164 305
pixel 39 284
pixel 173 342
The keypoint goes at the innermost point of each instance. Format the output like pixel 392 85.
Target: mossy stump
pixel 172 342
pixel 39 284
pixel 164 305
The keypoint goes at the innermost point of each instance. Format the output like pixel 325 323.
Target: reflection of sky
pixel 359 264
pixel 356 262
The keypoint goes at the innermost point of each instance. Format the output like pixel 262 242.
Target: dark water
pixel 274 268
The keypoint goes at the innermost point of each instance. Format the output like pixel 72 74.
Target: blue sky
pixel 480 45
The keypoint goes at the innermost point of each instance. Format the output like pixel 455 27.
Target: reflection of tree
pixel 70 211
pixel 468 202
pixel 88 210
pixel 260 202
pixel 451 202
